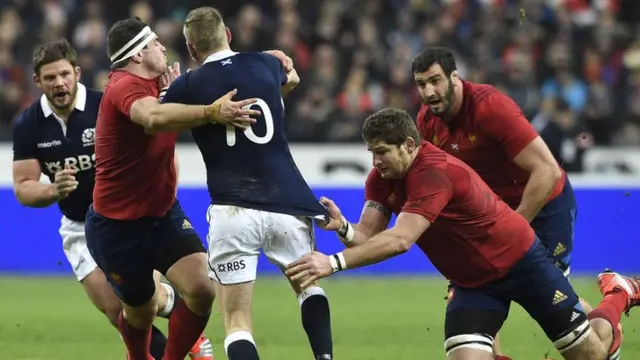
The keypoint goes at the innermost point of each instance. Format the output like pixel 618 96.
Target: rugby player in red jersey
pixel 135 225
pixel 486 129
pixel 489 252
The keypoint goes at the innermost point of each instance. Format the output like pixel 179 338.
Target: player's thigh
pixel 179 254
pixel 235 237
pixel 555 226
pixel 234 302
pixel 288 238
pixel 74 245
pixel 118 247
pixel 101 294
pixel 546 294
pixel 473 318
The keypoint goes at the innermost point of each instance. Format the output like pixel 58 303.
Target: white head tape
pixel 134 45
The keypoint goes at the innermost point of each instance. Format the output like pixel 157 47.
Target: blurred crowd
pixel 572 65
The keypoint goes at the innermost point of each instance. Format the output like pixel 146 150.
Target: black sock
pixel 173 298
pixel 242 350
pixel 158 343
pixel 316 320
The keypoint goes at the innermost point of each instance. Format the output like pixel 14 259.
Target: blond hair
pixel 204 29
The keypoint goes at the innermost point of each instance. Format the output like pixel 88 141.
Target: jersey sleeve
pixel 177 91
pixel 127 92
pixel 24 143
pixel 275 64
pixel 502 119
pixel 428 192
pixel 377 189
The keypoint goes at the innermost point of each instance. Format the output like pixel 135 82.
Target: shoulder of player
pixel 30 115
pixel 429 157
pixel 94 95
pixel 482 96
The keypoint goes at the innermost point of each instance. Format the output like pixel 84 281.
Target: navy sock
pixel 316 321
pixel 158 343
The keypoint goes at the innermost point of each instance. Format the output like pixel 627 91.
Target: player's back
pixel 254 168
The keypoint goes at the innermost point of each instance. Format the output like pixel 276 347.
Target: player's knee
pixel 469 346
pixel 573 340
pixel 199 291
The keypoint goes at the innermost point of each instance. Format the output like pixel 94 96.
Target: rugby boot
pixel 202 349
pixel 610 282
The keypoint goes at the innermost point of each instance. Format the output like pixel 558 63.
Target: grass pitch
pixel 373 318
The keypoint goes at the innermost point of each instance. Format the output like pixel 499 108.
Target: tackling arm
pixel 395 241
pixel 373 220
pixel 156 117
pixel 293 79
pixel 27 186
pixel 536 158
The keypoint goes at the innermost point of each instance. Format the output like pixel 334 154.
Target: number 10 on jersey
pixel 268 120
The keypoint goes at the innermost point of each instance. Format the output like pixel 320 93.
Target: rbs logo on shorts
pixel 231 266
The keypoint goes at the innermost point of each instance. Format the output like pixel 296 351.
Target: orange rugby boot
pixel 202 349
pixel 609 282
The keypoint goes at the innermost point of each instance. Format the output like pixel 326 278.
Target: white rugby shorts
pixel 237 234
pixel 74 244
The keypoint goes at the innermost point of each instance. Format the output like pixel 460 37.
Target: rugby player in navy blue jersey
pixel 55 136
pixel 259 199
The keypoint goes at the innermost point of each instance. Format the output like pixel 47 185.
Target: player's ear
pixel 78 72
pixel 229 37
pixel 410 143
pixel 455 77
pixel 36 80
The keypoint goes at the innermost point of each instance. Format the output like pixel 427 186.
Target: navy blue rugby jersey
pixel 252 168
pixel 41 135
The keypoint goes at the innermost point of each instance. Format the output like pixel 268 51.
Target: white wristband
pixel 348 237
pixel 338 263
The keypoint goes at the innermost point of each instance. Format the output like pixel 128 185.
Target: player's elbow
pixel 402 245
pixel 550 170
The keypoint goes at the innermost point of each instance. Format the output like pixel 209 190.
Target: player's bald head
pixel 204 29
pixel 390 126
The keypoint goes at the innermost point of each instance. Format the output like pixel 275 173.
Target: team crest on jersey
pixel 434 140
pixel 116 278
pixel 89 137
pixel 472 138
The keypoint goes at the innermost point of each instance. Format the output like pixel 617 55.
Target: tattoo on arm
pixel 379 207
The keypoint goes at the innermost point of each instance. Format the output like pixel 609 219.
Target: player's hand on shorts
pixel 225 111
pixel 287 62
pixel 335 219
pixel 310 268
pixel 172 73
pixel 65 182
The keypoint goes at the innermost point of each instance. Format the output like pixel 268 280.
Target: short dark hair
pixel 391 126
pixel 434 56
pixel 52 52
pixel 120 34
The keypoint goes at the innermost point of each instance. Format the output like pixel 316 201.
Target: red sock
pixel 185 329
pixel 611 308
pixel 502 357
pixel 136 340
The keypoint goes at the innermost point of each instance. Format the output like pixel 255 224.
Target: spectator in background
pixel 565 136
pixel 353 56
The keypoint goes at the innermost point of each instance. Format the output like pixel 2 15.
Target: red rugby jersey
pixel 487 133
pixel 135 172
pixel 474 237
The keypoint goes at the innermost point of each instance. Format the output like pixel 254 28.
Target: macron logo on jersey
pixel 49 144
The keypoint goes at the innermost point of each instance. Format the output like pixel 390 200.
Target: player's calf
pixel 316 319
pixel 235 305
